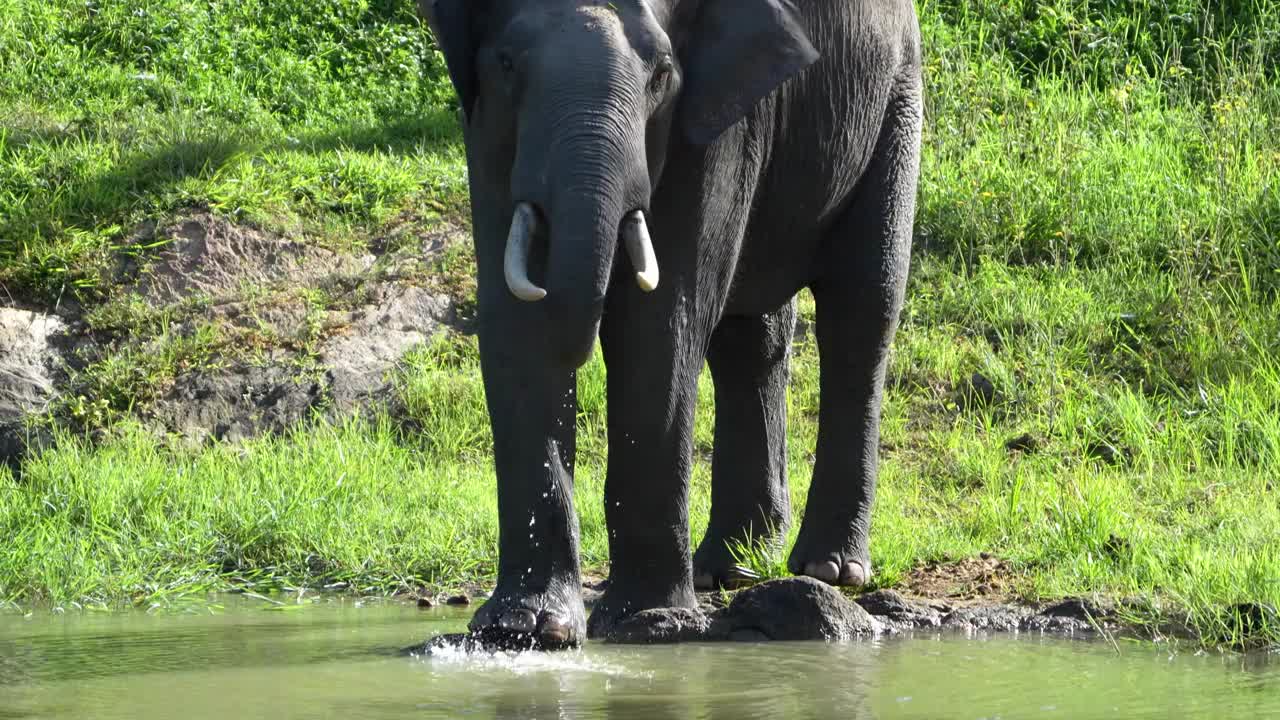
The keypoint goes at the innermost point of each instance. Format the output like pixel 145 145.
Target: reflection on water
pixel 338 660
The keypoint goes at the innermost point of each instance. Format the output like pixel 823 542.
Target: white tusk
pixel 635 235
pixel 524 225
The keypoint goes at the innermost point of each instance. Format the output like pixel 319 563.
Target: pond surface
pixel 337 659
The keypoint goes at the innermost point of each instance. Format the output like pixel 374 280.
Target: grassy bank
pixel 1098 240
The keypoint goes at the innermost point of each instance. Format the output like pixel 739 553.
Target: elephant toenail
pixel 521 621
pixel 853 574
pixel 825 570
pixel 555 633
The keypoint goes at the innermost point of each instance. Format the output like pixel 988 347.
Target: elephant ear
pixel 739 52
pixel 451 23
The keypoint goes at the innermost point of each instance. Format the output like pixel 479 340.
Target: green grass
pixel 1098 235
pixel 328 118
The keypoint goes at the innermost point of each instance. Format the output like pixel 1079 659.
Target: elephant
pixel 737 152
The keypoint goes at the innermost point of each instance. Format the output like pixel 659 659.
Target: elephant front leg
pixel 532 409
pixel 652 379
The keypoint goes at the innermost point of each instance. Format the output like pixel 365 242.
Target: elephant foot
pixel 623 600
pixel 836 560
pixel 522 620
pixel 714 565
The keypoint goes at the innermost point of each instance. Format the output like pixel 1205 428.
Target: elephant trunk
pixel 588 188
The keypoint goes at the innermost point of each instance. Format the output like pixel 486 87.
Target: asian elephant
pixel 736 151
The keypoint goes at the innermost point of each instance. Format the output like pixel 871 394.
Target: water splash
pixel 460 657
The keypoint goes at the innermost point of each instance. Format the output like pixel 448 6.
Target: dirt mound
pixel 329 328
pixel 209 256
pixel 985 577
pixel 216 329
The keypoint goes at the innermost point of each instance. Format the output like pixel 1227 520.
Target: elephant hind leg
pixel 750 503
pixel 859 296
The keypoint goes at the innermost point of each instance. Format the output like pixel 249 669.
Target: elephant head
pixel 570 109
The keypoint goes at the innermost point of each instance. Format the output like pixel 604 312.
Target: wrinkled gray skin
pixel 771 145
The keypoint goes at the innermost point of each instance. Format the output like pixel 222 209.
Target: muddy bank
pixel 212 330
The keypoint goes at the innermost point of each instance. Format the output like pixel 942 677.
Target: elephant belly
pixel 770 271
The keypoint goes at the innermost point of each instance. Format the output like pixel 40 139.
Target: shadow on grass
pixel 61 230
pixel 59 237
pixel 434 130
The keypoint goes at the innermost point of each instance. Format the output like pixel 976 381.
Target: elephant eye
pixel 661 77
pixel 505 62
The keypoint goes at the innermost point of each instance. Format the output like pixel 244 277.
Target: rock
pixel 426 602
pixel 793 609
pixel 27 363
pixel 360 357
pixel 1070 616
pixel 891 608
pixel 1002 618
pixel 1055 625
pixel 665 625
pixel 458 600
pixel 1078 609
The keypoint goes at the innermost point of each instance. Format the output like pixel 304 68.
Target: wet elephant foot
pixel 519 620
pixel 833 558
pixel 623 600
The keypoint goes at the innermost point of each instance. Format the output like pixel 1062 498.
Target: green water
pixel 336 659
